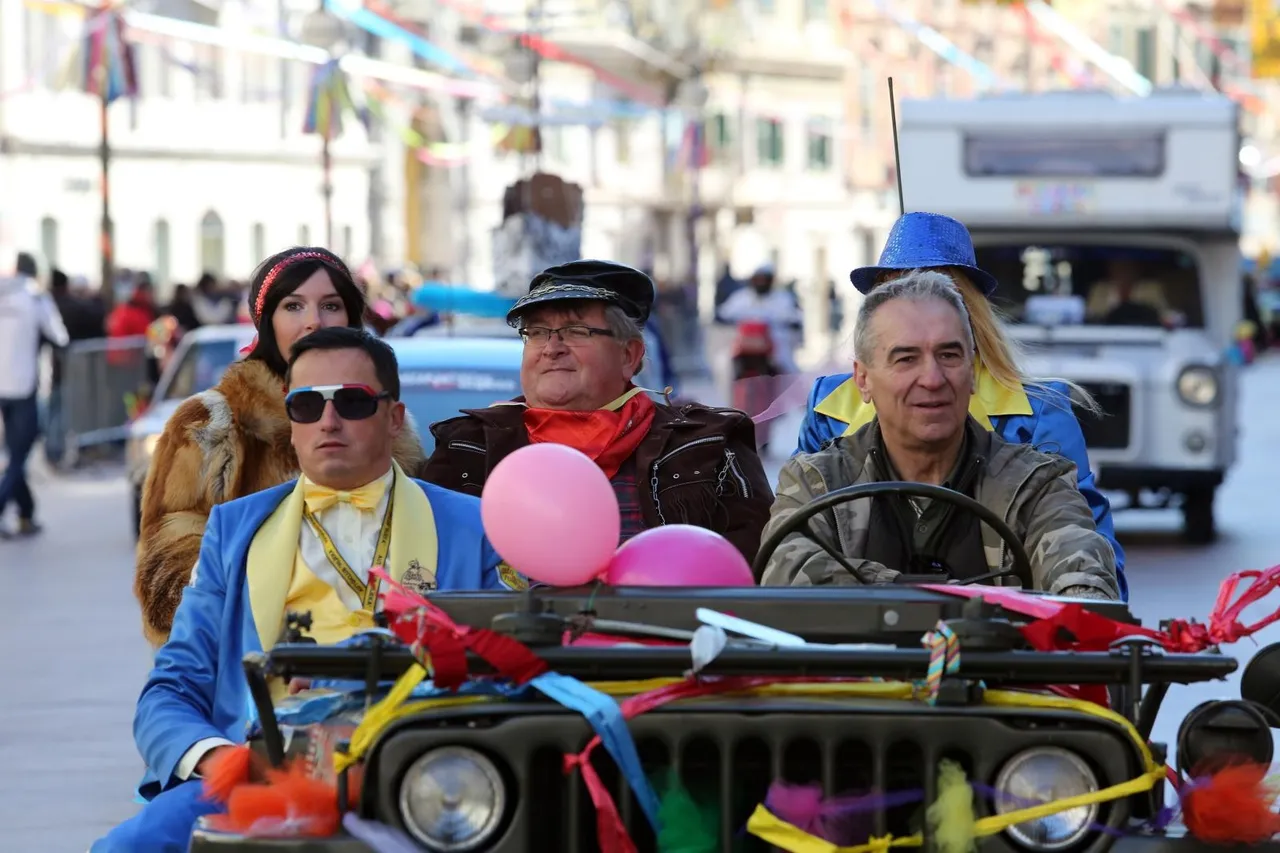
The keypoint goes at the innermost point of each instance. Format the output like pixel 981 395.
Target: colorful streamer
pixel 327 99
pixel 944 658
pixel 104 61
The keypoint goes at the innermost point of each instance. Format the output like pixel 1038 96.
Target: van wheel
pixel 1198 525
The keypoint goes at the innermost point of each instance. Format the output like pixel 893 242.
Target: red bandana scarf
pixel 609 435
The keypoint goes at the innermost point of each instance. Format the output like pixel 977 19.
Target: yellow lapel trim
pixel 413 532
pixel 991 399
pixel 269 566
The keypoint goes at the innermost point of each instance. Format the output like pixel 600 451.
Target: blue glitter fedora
pixel 925 241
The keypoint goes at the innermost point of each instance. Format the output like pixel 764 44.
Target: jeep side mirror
pixel 1260 682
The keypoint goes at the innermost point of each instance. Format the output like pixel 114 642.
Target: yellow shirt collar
pixel 990 399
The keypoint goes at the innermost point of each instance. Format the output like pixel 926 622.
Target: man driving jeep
pixel 913 358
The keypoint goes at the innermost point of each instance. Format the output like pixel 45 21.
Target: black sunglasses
pixel 351 402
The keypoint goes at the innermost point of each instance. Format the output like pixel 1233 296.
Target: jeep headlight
pixel 1198 386
pixel 452 799
pixel 1042 775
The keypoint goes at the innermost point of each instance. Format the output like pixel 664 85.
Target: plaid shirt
pixel 627 488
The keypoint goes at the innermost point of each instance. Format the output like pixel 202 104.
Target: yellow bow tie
pixel 319 498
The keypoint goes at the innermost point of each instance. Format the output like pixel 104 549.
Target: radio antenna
pixel 897 157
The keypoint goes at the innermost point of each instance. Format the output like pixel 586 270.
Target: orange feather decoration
pixel 1232 806
pixel 292 802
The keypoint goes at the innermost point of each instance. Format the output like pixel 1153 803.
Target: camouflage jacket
pixel 1033 492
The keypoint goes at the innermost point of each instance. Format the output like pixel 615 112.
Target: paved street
pixel 73 658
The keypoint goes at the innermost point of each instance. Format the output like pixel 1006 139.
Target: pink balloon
pixel 552 514
pixel 679 555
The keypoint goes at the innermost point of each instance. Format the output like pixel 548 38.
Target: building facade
pixel 210 170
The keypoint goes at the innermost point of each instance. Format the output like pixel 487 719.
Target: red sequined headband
pixel 280 267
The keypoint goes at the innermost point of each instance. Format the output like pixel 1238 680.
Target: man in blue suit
pixel 306 545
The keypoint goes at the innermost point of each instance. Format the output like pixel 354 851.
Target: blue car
pixel 439 375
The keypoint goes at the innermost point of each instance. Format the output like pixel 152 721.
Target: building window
pixel 259 243
pixel 819 144
pixel 213 245
pixel 209 71
pixel 867 237
pixel 718 135
pixel 348 243
pixel 622 142
pixel 1145 59
pixel 815 10
pixel 160 250
pixel 769 142
pixel 866 100
pixel 49 240
pixel 1116 36
pixel 766 7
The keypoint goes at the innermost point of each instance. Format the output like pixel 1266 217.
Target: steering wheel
pixel 799 523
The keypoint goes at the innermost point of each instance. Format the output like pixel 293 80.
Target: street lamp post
pixel 693 96
pixel 323 29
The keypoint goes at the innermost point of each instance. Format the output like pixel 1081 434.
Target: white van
pixel 1112 225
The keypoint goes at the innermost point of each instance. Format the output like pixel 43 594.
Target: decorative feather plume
pixel 951 815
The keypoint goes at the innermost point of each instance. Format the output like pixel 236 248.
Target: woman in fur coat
pixel 233 440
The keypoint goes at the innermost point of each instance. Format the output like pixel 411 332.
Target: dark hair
pixel 383 356
pixel 58 279
pixel 281 274
pixel 26 264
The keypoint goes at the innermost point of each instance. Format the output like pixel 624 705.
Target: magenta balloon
pixel 552 514
pixel 679 555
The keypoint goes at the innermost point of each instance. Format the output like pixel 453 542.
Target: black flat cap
pixel 604 281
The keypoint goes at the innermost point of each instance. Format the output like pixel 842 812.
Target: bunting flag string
pixel 444 154
pixel 1118 68
pixel 985 76
pixel 1229 57
pixel 383 28
pixel 637 91
pixel 1077 77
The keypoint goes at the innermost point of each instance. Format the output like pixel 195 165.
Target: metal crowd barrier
pixel 102 380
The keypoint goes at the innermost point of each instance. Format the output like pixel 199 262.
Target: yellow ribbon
pixel 764 825
pixel 319 498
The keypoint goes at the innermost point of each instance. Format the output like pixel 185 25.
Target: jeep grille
pixel 731 751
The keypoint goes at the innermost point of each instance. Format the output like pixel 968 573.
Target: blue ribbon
pixel 605 717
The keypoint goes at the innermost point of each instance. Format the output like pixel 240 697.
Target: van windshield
pixel 1056 284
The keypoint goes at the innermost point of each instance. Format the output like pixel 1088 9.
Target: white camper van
pixel 1112 225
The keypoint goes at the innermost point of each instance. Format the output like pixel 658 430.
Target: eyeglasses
pixel 351 402
pixel 576 335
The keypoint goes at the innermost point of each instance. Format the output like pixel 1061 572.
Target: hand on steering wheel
pixel 799 523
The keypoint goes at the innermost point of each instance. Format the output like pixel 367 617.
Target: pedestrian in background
pixel 28 316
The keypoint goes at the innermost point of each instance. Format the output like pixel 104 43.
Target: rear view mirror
pixel 1260 682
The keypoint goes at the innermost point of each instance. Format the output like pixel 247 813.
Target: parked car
pixel 439 375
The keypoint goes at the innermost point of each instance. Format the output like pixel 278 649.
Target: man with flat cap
pixel 581 324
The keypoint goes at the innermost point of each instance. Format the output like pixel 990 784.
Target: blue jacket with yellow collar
pixel 236 605
pixel 1045 421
